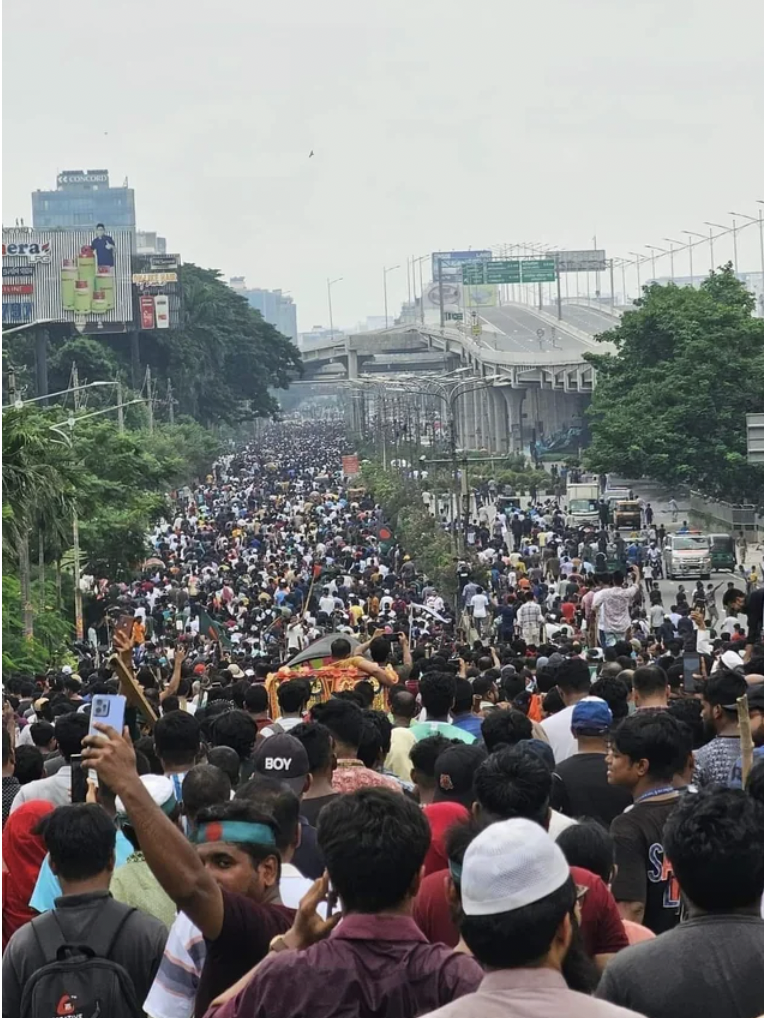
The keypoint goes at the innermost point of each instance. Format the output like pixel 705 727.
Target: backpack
pixel 80 980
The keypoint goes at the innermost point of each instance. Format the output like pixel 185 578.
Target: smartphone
pixel 125 625
pixel 79 779
pixel 691 663
pixel 107 710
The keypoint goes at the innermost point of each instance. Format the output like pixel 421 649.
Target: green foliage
pixel 670 403
pixel 51 631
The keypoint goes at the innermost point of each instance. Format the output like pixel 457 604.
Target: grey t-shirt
pixel 710 965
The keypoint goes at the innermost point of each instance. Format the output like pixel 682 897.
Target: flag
pixel 428 611
pixel 213 630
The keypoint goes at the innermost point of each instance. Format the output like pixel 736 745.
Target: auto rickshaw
pixel 723 552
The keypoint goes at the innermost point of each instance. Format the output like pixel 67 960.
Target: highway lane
pixel 588 319
pixel 518 327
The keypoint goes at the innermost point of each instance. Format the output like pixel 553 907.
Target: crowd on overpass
pixel 342 790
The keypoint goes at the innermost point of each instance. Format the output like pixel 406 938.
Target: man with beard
pixel 519 920
pixel 715 760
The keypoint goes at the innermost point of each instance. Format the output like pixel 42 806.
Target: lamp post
pixel 760 220
pixel 637 261
pixel 681 244
pixel 726 229
pixel 691 233
pixel 329 284
pixel 384 282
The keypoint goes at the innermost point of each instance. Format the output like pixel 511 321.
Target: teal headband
pixel 456 872
pixel 234 832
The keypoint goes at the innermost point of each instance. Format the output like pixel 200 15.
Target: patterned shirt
pixel 352 774
pixel 714 762
pixel 11 785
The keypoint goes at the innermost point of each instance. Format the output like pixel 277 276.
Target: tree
pixel 670 403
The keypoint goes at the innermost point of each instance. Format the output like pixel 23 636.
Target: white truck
pixel 583 507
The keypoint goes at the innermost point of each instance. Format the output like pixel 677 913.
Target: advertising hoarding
pixel 76 276
pixel 452 262
pixel 581 261
pixel 157 289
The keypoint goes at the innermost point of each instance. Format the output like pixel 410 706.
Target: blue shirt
pixel 47 888
pixel 104 254
pixel 736 774
pixel 468 722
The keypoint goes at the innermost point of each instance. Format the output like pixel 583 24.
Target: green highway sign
pixel 473 273
pixel 514 271
pixel 454 316
pixel 540 271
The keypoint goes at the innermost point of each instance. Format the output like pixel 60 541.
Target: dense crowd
pixel 344 791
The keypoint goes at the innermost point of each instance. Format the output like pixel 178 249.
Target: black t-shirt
pixel 310 808
pixel 245 938
pixel 583 790
pixel 308 858
pixel 644 872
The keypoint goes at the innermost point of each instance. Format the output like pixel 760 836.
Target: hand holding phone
pixel 107 710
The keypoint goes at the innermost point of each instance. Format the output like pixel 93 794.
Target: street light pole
pixel 702 236
pixel 384 281
pixel 711 239
pixel 329 284
pixel 637 262
pixel 760 220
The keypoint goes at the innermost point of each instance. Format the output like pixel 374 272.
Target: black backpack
pixel 80 979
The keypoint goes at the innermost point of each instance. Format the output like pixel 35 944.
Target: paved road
pixel 588 319
pixel 517 332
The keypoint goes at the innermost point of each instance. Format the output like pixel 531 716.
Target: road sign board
pixel 473 273
pixel 755 437
pixel 581 261
pixel 454 316
pixel 451 260
pixel 502 271
pixel 539 271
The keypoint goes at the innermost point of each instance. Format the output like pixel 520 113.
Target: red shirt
pixel 568 611
pixel 601 926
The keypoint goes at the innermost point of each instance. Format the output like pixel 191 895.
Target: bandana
pixel 234 832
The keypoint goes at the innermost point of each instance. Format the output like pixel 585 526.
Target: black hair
pixel 437 691
pixel 343 718
pixel 247 812
pixel 101 225
pixel 724 688
pixel 227 760
pixel 573 675
pixel 521 937
pixel 365 690
pixel 689 711
pixel 293 695
pixel 374 842
pixel 277 800
pixel 715 841
pixel 463 696
pixel 256 699
pixel 236 729
pixel 505 727
pixel 458 839
pixel 340 648
pixel 71 729
pixel 655 736
pixel 589 845
pixel 29 764
pixel 732 594
pixel 42 732
pixel 145 746
pixel 553 702
pixel 177 738
pixel 370 746
pixel 649 680
pixel 484 683
pixel 379 649
pixel 80 839
pixel 614 691
pixel 424 754
pixel 403 703
pixel 317 741
pixel 511 783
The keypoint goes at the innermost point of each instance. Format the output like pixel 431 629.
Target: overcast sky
pixel 436 124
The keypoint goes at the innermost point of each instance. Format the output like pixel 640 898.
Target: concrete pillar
pixel 500 430
pixel 478 430
pixel 489 432
pixel 518 436
pixel 352 364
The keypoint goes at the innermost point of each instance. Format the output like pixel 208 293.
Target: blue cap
pixel 591 715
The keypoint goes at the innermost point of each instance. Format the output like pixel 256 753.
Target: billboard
pixel 157 291
pixel 581 261
pixel 452 262
pixel 480 296
pixel 76 276
pixel 452 294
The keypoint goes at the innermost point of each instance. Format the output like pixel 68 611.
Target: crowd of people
pixel 535 790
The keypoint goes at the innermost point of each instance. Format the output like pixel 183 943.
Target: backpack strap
pixel 50 937
pixel 107 927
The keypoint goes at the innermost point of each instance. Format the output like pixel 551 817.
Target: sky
pixel 435 124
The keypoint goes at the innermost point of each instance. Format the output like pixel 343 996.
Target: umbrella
pixel 320 648
pixel 153 562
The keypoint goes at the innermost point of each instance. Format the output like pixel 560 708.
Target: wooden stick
pixel 310 592
pixel 746 742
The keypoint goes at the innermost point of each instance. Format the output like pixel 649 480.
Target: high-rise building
pixel 275 306
pixel 148 242
pixel 82 199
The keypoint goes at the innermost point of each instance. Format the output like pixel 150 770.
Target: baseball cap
pixel 756 696
pixel 509 865
pixel 66 670
pixel 283 757
pixel 455 772
pixel 591 715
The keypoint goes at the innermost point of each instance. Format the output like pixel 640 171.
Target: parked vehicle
pixel 723 552
pixel 687 555
pixel 627 515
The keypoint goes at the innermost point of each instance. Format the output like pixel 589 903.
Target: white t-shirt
pixel 557 728
pixel 479 604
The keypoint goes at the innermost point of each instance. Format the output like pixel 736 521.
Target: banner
pixel 350 465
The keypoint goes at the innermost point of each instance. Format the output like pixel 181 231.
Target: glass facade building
pixel 82 199
pixel 275 306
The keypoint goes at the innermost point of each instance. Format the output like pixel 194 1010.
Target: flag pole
pixel 316 570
